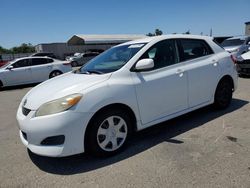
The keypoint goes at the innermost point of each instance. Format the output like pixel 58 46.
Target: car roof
pixel 238 37
pixel 162 37
pixel 35 57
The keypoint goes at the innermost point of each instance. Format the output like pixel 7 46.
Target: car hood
pixel 61 86
pixel 246 56
pixel 231 48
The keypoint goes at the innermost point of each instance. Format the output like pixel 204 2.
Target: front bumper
pixel 243 69
pixel 33 130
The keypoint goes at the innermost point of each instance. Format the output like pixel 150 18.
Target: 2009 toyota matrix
pixel 129 87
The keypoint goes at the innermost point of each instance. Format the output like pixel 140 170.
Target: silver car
pixel 237 45
pixel 80 59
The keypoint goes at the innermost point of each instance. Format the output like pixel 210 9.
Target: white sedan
pixel 128 88
pixel 31 70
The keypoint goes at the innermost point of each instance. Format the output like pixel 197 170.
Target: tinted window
pixel 38 61
pixel 232 42
pixel 21 63
pixel 89 55
pixel 50 60
pixel 191 48
pixel 163 53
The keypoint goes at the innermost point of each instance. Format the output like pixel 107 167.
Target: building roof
pixel 102 39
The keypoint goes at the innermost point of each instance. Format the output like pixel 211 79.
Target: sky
pixel 44 21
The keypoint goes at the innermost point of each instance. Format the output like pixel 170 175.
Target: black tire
pixel 92 141
pixel 223 94
pixel 55 73
pixel 74 64
pixel 1 85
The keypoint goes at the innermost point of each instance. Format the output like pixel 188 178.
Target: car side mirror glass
pixel 144 64
pixel 10 67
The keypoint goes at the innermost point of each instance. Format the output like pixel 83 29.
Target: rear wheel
pixel 54 74
pixel 223 94
pixel 1 85
pixel 74 64
pixel 108 133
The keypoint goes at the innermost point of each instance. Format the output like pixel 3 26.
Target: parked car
pixel 80 59
pixel 237 45
pixel 44 54
pixel 2 63
pixel 31 70
pixel 127 88
pixel 243 64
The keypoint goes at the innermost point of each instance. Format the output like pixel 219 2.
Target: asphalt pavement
pixel 205 148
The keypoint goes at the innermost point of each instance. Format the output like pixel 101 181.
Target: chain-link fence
pixel 9 57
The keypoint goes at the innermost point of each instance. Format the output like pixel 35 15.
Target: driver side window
pixel 163 53
pixel 21 63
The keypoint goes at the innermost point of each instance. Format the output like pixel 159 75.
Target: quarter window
pixel 192 49
pixel 163 53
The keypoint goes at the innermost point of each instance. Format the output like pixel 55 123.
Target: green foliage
pixel 23 48
pixel 156 33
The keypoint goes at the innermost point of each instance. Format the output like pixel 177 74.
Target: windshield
pixel 111 60
pixel 232 42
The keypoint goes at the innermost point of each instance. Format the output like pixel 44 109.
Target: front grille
pixel 25 111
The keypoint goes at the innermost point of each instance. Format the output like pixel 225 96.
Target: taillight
pixel 233 59
pixel 67 63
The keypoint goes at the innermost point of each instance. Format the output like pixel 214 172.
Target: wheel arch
pixel 55 70
pixel 229 78
pixel 117 106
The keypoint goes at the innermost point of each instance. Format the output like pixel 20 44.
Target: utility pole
pixel 211 32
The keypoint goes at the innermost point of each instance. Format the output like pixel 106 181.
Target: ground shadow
pixel 141 141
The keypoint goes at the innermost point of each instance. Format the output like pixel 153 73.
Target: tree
pixel 156 33
pixel 23 48
pixel 187 32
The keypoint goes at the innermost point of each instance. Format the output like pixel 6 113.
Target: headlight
pixel 58 105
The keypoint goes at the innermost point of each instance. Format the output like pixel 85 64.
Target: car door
pixel 161 91
pixel 19 74
pixel 202 68
pixel 41 68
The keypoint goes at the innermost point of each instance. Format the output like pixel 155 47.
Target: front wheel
pixel 223 94
pixel 108 133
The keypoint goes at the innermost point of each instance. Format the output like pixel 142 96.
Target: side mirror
pixel 10 67
pixel 144 64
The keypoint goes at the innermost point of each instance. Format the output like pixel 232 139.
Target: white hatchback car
pixel 128 88
pixel 29 70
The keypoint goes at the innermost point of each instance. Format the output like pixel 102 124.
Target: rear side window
pixel 192 48
pixel 163 53
pixel 38 61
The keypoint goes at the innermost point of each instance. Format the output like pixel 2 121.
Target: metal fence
pixel 9 57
